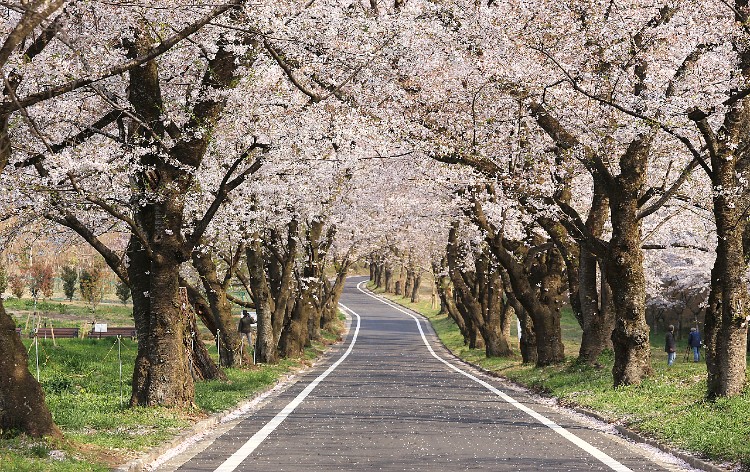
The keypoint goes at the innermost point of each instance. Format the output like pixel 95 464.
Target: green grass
pixel 24 455
pixel 80 378
pixel 668 406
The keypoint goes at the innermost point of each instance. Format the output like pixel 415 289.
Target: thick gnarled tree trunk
pixel 480 293
pixel 22 406
pixel 624 268
pixel 727 312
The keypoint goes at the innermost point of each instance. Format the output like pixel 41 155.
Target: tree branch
pixel 152 53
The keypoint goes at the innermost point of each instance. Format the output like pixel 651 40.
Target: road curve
pixel 391 398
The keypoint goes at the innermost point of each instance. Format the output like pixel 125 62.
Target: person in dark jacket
pixel 670 346
pixel 695 342
pixel 247 323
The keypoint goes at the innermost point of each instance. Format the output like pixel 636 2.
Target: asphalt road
pixel 392 398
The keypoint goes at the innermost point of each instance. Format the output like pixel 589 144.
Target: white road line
pixel 236 459
pixel 607 460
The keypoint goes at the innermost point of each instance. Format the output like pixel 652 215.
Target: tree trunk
pixel 281 276
pixel 480 297
pixel 537 285
pixel 401 282
pixel 295 335
pixel 169 381
pixel 265 344
pixel 201 305
pixel 727 311
pixel 496 343
pixel 331 307
pixel 388 277
pixel 216 293
pixel 597 331
pixel 200 363
pixel 527 344
pixel 596 320
pixel 547 322
pixel 624 268
pixel 415 287
pixel 447 299
pixel 139 265
pixel 22 406
pixel 506 319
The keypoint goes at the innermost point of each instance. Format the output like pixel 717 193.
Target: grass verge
pixel 669 406
pixel 81 380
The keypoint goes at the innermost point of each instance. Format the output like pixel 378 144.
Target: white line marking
pixel 610 462
pixel 236 459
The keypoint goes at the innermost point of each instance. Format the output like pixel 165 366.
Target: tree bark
pixel 597 319
pixel 265 344
pixel 380 275
pixel 480 294
pixel 415 287
pixel 333 295
pixel 170 380
pixel 216 293
pixel 200 363
pixel 537 285
pixel 447 299
pixel 401 282
pixel 295 335
pixel 202 306
pixel 22 406
pixel 388 270
pixel 140 263
pixel 727 317
pixel 624 268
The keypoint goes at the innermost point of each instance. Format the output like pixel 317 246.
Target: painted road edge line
pixel 593 451
pixel 241 454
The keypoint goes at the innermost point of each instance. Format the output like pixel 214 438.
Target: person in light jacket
pixel 670 346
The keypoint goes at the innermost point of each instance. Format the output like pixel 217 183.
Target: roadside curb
pixel 200 428
pixel 629 434
pixel 204 426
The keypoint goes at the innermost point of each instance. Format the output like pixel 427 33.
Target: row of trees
pixel 156 139
pixel 596 132
pixel 550 146
pixel 39 279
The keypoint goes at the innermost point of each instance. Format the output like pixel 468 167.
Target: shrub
pixel 17 285
pixel 91 284
pixel 69 278
pixel 122 291
pixel 41 278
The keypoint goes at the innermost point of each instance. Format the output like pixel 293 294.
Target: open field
pixel 669 406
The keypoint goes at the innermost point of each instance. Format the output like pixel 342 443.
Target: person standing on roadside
pixel 695 342
pixel 247 323
pixel 670 346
